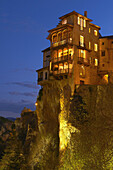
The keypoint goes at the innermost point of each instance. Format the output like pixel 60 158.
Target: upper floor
pixel 74 29
pixel 75 49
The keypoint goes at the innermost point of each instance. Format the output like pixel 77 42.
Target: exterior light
pixel 36 104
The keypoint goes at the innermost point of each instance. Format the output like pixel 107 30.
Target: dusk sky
pixel 23 31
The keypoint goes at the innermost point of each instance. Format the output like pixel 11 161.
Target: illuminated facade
pixel 76 53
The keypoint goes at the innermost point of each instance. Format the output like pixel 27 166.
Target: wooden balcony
pixel 84 61
pixel 63 42
pixel 62 58
pixel 61 71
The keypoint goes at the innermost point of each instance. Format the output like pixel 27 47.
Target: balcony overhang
pixel 59 28
pixel 42 69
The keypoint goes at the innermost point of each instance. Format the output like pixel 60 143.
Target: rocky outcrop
pixel 68 130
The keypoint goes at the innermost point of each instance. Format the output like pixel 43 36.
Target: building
pixel 77 52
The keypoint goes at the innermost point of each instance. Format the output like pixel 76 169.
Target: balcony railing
pixel 84 61
pixel 62 71
pixel 62 58
pixel 62 42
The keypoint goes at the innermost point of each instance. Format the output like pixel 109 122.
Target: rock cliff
pixel 68 130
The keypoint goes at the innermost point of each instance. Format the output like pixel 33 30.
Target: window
pixel 103 53
pixel 64 21
pixel 89 45
pixel 45 75
pixel 95 47
pixel 81 82
pixel 96 62
pixel 54 38
pixel 84 23
pixel 81 41
pixel 90 60
pixel 95 32
pixel 50 65
pixel 82 54
pixel 102 43
pixel 112 42
pixel 78 20
pixel 81 24
pixel 89 30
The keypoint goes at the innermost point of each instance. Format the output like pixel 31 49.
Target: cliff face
pixel 67 131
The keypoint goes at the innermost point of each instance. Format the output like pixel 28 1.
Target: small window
pixel 103 53
pixel 45 75
pixel 81 24
pixel 102 43
pixel 81 41
pixel 96 62
pixel 82 53
pixel 64 21
pixel 89 45
pixel 84 23
pixel 89 30
pixel 102 65
pixel 112 42
pixel 95 32
pixel 95 47
pixel 78 20
pixel 81 82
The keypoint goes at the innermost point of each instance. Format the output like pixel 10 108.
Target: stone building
pixel 77 53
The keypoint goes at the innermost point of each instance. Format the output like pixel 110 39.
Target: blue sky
pixel 23 31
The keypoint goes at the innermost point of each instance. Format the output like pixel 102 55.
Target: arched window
pixel 54 38
pixel 64 35
pixel 59 36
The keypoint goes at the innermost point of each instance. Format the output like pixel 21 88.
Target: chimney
pixel 85 13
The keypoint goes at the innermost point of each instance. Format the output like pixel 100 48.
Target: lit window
pixel 81 41
pixel 82 54
pixel 106 78
pixel 78 20
pixel 81 24
pixel 95 47
pixel 84 23
pixel 50 65
pixel 89 30
pixel 64 21
pixel 95 32
pixel 96 62
pixel 89 45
